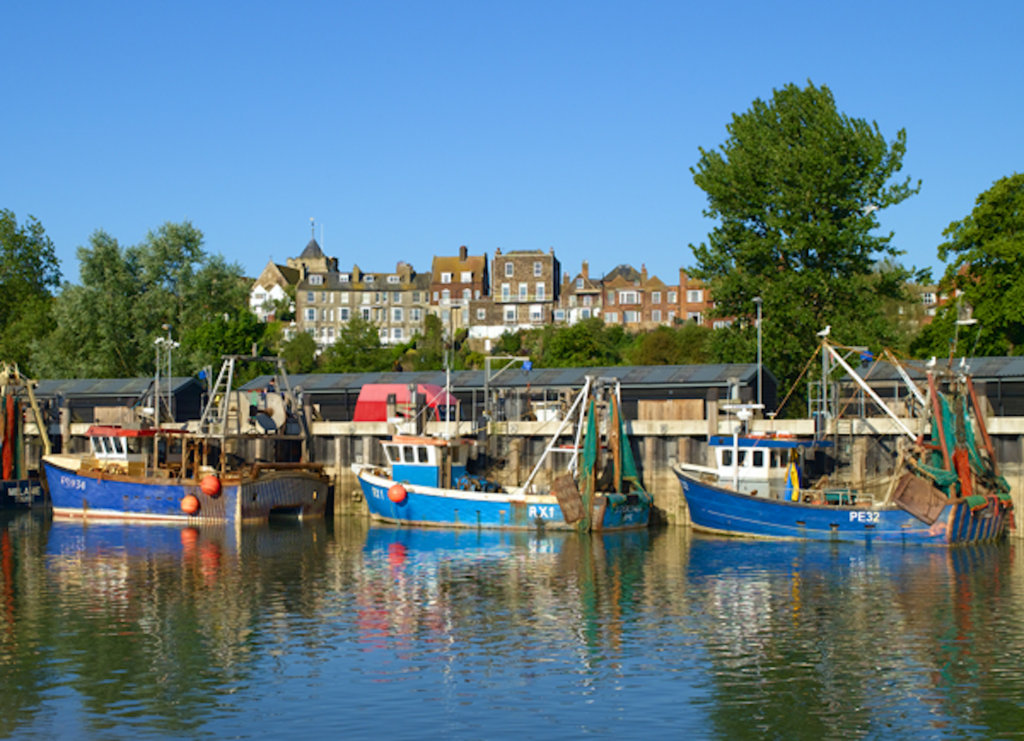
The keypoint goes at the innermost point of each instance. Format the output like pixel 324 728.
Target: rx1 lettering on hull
pixel 542 511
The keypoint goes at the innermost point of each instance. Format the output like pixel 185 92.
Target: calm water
pixel 341 628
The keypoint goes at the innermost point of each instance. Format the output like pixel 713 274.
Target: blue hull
pixel 725 512
pixel 96 495
pixel 437 507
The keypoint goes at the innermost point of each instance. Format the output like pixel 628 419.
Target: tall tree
pixel 106 326
pixel 987 269
pixel 796 188
pixel 29 273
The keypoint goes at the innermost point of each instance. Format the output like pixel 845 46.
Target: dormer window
pixel 343 277
pixel 446 277
pixel 316 280
pixel 394 279
pixel 368 279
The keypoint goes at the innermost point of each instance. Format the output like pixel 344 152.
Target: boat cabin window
pixel 115 443
pixel 407 454
pixel 777 461
pixel 727 457
pixel 758 458
pixel 392 452
pixel 422 450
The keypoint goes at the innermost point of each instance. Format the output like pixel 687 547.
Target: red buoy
pixel 189 504
pixel 397 493
pixel 210 485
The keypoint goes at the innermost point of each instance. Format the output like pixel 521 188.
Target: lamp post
pixel 757 302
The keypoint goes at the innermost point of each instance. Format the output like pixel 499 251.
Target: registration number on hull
pixel 865 517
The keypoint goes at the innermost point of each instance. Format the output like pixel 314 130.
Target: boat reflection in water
pixel 819 640
pixel 335 627
pixel 457 584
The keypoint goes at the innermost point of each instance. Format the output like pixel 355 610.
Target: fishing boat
pixel 427 480
pixel 247 460
pixel 944 488
pixel 20 486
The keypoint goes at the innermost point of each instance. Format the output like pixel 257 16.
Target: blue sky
pixel 407 129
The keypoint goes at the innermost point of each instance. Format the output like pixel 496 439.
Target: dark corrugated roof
pixel 113 387
pixel 628 375
pixel 1003 368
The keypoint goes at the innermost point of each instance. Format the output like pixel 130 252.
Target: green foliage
pixel 795 188
pixel 688 344
pixel 430 346
pixel 299 353
pixel 586 343
pixel 29 273
pixel 358 350
pixel 106 326
pixel 987 248
pixel 206 344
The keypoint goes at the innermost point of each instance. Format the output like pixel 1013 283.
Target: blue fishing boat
pixel 426 480
pixel 945 489
pixel 246 462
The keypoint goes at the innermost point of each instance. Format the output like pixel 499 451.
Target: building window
pixel 396 297
pixel 559 315
pixel 344 298
pixel 446 296
pixel 506 291
pixel 343 277
pixel 466 277
pixel 584 313
pixel 537 269
pixel 467 294
pixel 611 317
pixel 394 279
pixel 611 298
pixel 694 297
pixel 628 297
pixel 310 297
pixel 540 292
pixel 524 291
pixel 588 300
pixel 671 317
pixel 694 316
pixel 415 315
pixel 343 314
pixel 316 280
pixel 310 315
pixel 396 315
pixel 365 311
pixel 446 277
pixel 672 296
pixel 536 313
pixel 630 317
pixel 510 314
pixel 509 267
pixel 579 284
pixel 656 297
pixel 481 314
pixel 397 333
pixel 368 279
pixel 656 315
